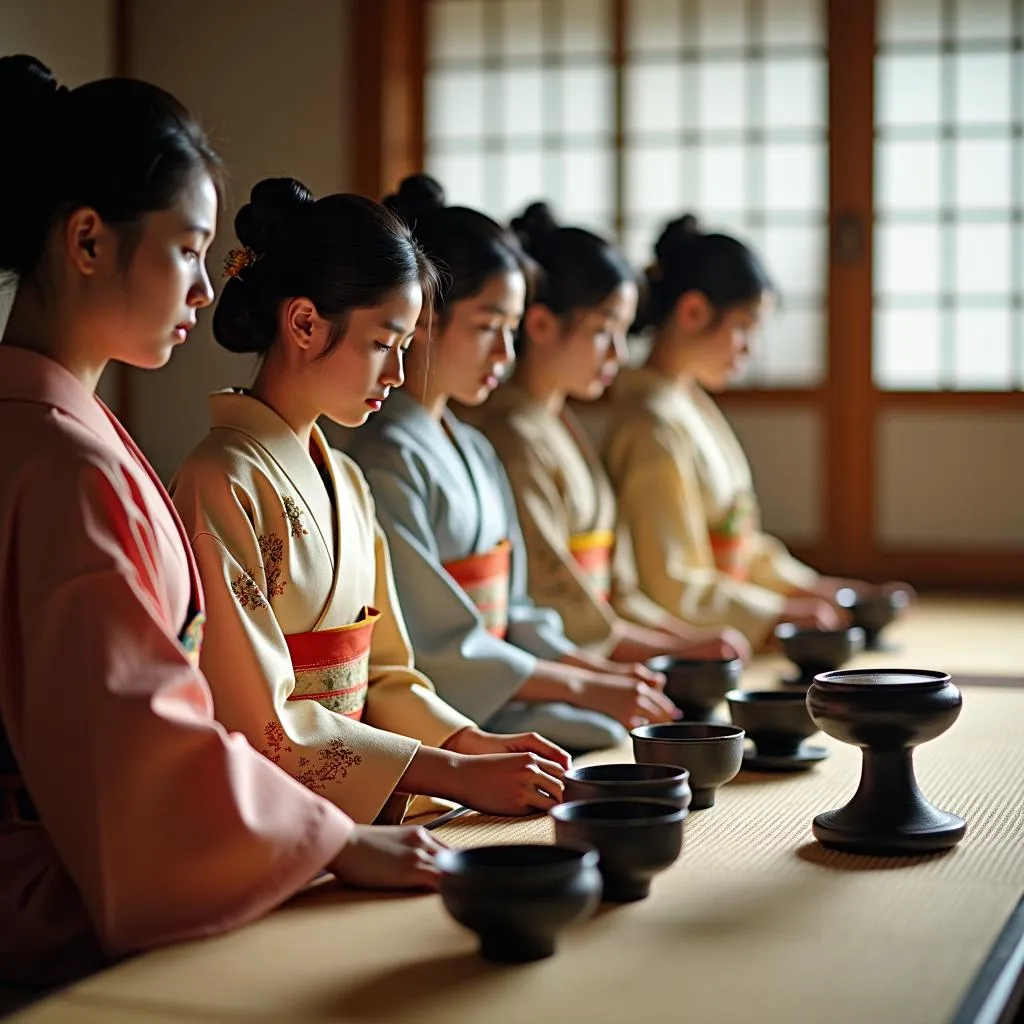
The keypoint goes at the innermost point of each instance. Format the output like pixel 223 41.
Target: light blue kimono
pixel 441 496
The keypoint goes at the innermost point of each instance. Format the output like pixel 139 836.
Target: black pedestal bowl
pixel 886 712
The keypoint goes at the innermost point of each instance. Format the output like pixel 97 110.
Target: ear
pixel 693 312
pixel 86 240
pixel 303 327
pixel 541 326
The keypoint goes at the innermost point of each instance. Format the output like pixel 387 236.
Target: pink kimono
pixel 136 819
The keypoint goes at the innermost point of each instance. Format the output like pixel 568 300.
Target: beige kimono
pixel 580 562
pixel 306 650
pixel 686 497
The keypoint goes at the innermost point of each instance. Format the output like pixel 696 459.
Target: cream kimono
pixel 460 565
pixel 129 816
pixel 686 497
pixel 579 561
pixel 306 650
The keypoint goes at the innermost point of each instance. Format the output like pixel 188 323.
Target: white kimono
pixel 442 497
pixel 305 650
pixel 686 496
pixel 580 560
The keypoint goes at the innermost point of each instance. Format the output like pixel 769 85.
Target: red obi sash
pixel 593 554
pixel 486 579
pixel 332 666
pixel 730 540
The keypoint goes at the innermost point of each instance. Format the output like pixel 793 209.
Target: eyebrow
pixel 199 229
pixel 498 311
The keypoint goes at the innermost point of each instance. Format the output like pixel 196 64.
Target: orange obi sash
pixel 730 540
pixel 593 554
pixel 486 579
pixel 332 666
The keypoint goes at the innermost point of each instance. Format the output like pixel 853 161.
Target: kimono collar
pixel 236 410
pixel 402 408
pixel 27 376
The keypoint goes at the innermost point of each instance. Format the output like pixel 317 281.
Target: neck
pixel 277 387
pixel 667 357
pixel 540 386
pixel 48 329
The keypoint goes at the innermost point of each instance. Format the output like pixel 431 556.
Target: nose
pixel 201 293
pixel 504 345
pixel 619 348
pixel 393 374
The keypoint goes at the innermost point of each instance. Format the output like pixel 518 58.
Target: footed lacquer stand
pixel 886 712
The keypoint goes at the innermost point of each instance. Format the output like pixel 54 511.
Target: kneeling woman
pixel 444 500
pixel 700 551
pixel 305 646
pixel 571 344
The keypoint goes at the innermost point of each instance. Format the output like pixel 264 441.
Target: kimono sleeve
pixel 660 503
pixel 536 629
pixel 554 578
pixel 170 827
pixel 474 671
pixel 246 659
pixel 773 567
pixel 399 698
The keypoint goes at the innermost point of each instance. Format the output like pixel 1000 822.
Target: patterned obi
pixel 593 554
pixel 332 666
pixel 730 540
pixel 486 579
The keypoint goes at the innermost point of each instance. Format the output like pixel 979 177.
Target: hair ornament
pixel 238 260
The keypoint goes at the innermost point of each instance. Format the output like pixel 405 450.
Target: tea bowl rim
pixel 677 774
pixel 724 732
pixel 752 698
pixel 671 813
pixel 846 679
pixel 447 860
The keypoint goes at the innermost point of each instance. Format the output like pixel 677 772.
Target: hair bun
pixel 417 197
pixel 677 233
pixel 272 203
pixel 534 223
pixel 28 96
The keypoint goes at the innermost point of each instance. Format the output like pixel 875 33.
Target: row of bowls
pixel 698 686
pixel 619 826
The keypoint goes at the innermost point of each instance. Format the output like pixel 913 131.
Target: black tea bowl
pixel 776 721
pixel 698 686
pixel 874 609
pixel 635 838
pixel 711 753
pixel 518 898
pixel 818 650
pixel 886 712
pixel 629 782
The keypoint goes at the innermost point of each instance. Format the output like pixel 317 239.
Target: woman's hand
pixel 475 741
pixel 507 783
pixel 629 701
pixel 714 645
pixel 388 857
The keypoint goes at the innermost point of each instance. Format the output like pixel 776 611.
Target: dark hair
pixel 342 252
pixel 469 247
pixel 575 269
pixel 720 267
pixel 122 147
